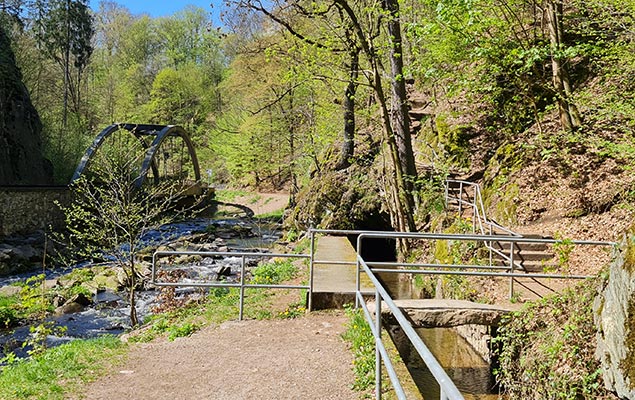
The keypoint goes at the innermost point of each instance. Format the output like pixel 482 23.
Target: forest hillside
pixel 533 100
pixel 361 110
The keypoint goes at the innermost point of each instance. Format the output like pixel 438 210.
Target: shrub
pixel 551 344
pixel 273 272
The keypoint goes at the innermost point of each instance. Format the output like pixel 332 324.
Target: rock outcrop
pixel 21 159
pixel 614 310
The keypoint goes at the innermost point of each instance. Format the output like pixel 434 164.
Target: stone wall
pixel 479 337
pixel 614 311
pixel 27 209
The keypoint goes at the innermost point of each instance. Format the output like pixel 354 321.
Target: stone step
pixel 527 255
pixel 529 289
pixel 417 114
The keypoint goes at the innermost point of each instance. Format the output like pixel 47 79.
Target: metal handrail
pixel 242 285
pixel 481 219
pixel 447 386
pixel 449 390
pixel 477 204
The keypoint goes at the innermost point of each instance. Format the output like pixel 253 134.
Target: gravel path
pixel 302 358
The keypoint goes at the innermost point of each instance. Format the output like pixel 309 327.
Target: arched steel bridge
pixel 142 133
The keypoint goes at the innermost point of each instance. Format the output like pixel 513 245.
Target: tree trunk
pixel 294 189
pixel 67 61
pixel 399 101
pixel 348 145
pixel 134 321
pixel 400 198
pixel 569 114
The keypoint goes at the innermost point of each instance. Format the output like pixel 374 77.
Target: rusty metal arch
pixel 167 131
pixel 139 131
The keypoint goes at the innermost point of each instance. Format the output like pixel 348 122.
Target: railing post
pixel 511 269
pixel 312 251
pixel 460 198
pixel 491 244
pixel 242 289
pixel 447 193
pixel 377 344
pixel 357 270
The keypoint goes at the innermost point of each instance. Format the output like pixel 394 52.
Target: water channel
pixel 467 369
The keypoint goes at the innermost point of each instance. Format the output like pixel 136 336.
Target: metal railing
pixel 485 225
pixel 242 284
pixel 448 389
pixel 474 201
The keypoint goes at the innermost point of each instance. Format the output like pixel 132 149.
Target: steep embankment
pixel 21 160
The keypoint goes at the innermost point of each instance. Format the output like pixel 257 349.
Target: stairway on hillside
pixel 419 109
pixel 527 257
pixel 531 258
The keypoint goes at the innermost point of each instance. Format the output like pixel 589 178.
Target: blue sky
pixel 162 8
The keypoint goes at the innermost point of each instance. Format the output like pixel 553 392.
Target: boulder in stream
pixel 10 291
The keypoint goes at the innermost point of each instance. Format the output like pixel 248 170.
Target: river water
pixel 109 313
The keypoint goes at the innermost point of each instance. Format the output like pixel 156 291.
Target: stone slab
pixel 438 313
pixel 335 284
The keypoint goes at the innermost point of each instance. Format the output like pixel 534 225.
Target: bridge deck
pixel 334 284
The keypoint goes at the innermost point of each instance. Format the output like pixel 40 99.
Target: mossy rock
pixel 108 281
pixel 614 310
pixel 500 193
pixel 340 200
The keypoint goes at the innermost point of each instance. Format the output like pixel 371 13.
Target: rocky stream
pixel 100 306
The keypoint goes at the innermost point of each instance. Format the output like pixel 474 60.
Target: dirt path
pixel 302 358
pixel 264 203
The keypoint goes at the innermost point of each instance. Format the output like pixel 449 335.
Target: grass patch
pixel 274 272
pixel 222 304
pixel 229 195
pixel 59 371
pixel 273 216
pixel 362 343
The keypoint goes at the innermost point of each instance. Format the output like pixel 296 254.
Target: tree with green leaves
pixel 110 214
pixel 374 28
pixel 66 31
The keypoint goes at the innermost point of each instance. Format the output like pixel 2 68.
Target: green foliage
pixel 551 343
pixel 181 331
pixel 9 314
pixel 229 195
pixel 294 310
pixel 430 195
pixel 273 272
pixel 180 97
pixel 33 303
pixel 58 373
pixel 38 335
pixel 563 248
pixel 111 213
pixel 362 343
pixel 30 304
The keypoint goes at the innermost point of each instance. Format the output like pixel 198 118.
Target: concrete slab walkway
pixel 335 284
